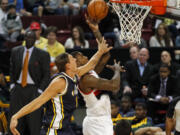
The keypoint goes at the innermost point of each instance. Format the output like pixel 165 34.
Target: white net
pixel 131 17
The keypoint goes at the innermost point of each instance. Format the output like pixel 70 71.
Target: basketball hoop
pixel 131 15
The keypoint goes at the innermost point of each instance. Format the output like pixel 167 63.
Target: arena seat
pixel 77 20
pixel 60 21
pixel 26 20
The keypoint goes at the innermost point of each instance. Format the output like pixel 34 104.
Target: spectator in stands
pixel 161 90
pixel 48 7
pixel 123 127
pixel 67 7
pixel 115 115
pixel 137 75
pixel 161 38
pixel 53 46
pixel 126 109
pixel 3 12
pixel 141 120
pixel 134 50
pixel 20 7
pixel 77 40
pixel 40 41
pixel 11 24
pixel 166 59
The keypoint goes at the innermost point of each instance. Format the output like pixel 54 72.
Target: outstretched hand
pixel 116 66
pixel 103 46
pixel 13 124
pixel 93 24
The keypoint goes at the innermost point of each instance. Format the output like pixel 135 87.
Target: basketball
pixel 97 9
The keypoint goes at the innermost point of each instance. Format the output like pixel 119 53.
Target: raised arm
pixel 102 62
pixel 56 86
pixel 89 81
pixel 93 25
pixel 102 49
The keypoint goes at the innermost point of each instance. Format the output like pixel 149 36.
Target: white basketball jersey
pixel 96 107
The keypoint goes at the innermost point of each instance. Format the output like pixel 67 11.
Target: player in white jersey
pixel 98 120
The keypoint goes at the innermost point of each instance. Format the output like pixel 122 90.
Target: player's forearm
pixel 95 59
pixel 31 107
pixel 116 80
pixel 98 35
pixel 169 126
pixel 102 62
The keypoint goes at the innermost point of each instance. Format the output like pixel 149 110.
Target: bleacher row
pixel 66 23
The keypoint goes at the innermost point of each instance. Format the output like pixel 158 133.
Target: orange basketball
pixel 97 9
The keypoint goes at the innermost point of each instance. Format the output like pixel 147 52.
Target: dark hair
pixel 164 65
pixel 61 61
pixel 143 105
pixel 52 29
pixel 115 102
pixel 123 127
pixel 75 53
pixel 81 35
pixel 126 97
pixel 166 37
pixel 11 6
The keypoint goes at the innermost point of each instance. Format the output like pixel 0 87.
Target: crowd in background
pixel 146 90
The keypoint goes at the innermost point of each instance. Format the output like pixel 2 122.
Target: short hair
pixel 115 102
pixel 52 29
pixel 123 127
pixel 164 65
pixel 61 61
pixel 127 97
pixel 143 105
pixel 75 53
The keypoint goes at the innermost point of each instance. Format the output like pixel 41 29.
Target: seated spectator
pixel 68 7
pixel 126 109
pixel 53 46
pixel 166 59
pixel 40 41
pixel 137 76
pixel 126 44
pixel 3 12
pixel 11 24
pixel 48 7
pixel 133 51
pixel 123 127
pixel 141 120
pixel 77 40
pixel 161 38
pixel 20 7
pixel 161 90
